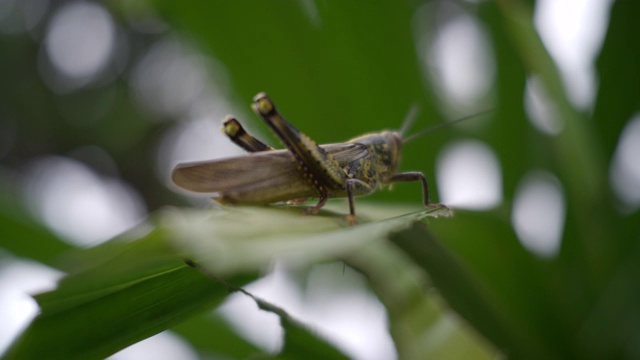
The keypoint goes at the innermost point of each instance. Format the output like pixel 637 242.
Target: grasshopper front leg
pixel 414 176
pixel 314 163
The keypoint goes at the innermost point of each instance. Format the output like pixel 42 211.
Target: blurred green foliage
pixel 337 70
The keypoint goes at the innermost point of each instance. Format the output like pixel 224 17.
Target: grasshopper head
pixel 389 156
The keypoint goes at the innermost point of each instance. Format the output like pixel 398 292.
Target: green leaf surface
pixel 23 236
pixel 421 323
pixel 136 292
pixel 223 235
pixel 299 340
pixel 223 242
pixel 212 336
pixel 470 295
pixel 129 289
pixel 618 95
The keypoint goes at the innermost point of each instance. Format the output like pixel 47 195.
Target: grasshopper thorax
pixel 384 153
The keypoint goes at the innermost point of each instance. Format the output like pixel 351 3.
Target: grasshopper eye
pixel 397 138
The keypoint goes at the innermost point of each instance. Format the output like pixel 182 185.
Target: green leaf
pixel 468 293
pixel 618 97
pixel 126 290
pixel 212 336
pixel 223 243
pixel 299 340
pixel 23 236
pixel 223 236
pixel 421 324
pixel 139 289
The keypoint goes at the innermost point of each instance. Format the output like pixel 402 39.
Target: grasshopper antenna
pixel 441 125
pixel 410 118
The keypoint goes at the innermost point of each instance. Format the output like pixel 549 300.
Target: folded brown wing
pixel 256 178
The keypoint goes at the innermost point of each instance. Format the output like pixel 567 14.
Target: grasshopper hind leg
pixel 315 209
pixel 236 133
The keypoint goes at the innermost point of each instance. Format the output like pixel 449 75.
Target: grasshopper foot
pixel 445 210
pixel 351 219
pixel 315 209
pixel 312 210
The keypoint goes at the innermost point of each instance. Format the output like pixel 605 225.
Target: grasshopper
pixel 303 170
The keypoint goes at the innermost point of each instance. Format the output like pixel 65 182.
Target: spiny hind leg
pixel 314 163
pixel 234 130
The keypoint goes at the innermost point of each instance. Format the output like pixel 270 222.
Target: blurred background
pixel 99 100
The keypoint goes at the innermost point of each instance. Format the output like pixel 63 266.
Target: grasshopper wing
pixel 256 178
pixel 232 173
pixel 346 153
